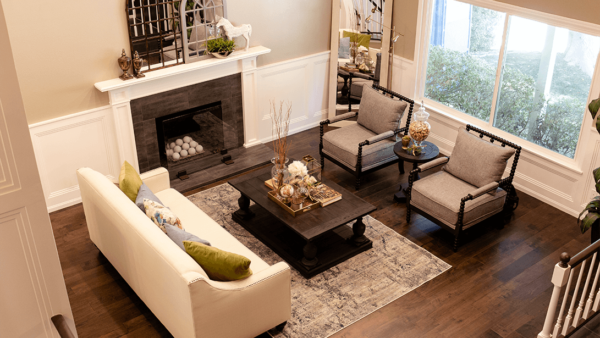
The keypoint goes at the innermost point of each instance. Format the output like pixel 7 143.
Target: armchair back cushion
pixel 477 161
pixel 379 113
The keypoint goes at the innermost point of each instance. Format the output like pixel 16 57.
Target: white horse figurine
pixel 232 32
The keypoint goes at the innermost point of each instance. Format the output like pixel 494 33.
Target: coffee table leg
pixel 244 211
pixel 310 255
pixel 359 232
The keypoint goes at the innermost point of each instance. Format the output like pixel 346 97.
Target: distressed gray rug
pixel 347 292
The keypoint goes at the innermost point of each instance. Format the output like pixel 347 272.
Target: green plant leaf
pixel 588 221
pixel 596 174
pixel 594 106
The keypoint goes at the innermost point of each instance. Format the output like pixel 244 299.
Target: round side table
pixel 427 154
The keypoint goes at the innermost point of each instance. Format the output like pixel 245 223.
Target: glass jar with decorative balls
pixel 280 175
pixel 419 129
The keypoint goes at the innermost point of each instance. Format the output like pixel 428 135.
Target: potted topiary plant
pixel 220 47
pixel 591 213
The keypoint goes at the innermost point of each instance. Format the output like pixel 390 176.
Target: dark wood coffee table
pixel 311 242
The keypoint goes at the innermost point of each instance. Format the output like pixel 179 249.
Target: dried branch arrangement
pixel 280 119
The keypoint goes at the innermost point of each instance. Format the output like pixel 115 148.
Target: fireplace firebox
pixel 192 140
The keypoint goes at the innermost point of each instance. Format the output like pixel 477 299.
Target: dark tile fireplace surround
pixel 221 99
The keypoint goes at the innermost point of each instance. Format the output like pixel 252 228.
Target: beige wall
pixel 61 48
pixel 405 17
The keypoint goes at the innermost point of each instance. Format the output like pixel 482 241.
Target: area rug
pixel 344 294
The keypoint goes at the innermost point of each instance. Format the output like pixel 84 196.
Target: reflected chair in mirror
pixel 469 189
pixel 359 80
pixel 368 145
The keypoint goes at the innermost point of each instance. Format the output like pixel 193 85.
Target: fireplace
pixel 190 129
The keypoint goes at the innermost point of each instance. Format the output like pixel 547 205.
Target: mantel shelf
pixel 114 84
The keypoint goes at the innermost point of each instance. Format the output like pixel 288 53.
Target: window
pixel 524 77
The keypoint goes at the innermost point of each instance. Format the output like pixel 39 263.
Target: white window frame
pixel 421 55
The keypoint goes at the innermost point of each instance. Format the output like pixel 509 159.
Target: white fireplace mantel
pixel 122 92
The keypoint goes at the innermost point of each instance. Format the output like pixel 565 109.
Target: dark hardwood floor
pixel 498 286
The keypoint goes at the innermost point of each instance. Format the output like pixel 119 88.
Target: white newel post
pixel 121 93
pixel 559 279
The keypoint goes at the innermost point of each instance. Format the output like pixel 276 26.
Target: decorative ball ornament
pixel 176 156
pixel 184 153
pixel 199 148
pixel 187 139
pixel 193 144
pixel 179 141
pixel 172 145
pixel 177 149
pixel 169 152
pixel 192 151
pixel 185 146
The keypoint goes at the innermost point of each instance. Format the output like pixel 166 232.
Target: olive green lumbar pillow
pixel 219 265
pixel 361 39
pixel 129 181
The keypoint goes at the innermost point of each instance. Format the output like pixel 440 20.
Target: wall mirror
pixel 359 33
pixel 156 26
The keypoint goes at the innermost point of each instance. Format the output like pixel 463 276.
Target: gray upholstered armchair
pixel 368 145
pixel 470 188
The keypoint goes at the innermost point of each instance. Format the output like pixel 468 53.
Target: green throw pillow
pixel 219 265
pixel 362 39
pixel 129 181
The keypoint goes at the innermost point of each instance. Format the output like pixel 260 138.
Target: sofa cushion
pixel 378 112
pixel 362 39
pixel 439 195
pixel 129 181
pixel 477 161
pixel 219 264
pixel 200 224
pixel 160 215
pixel 342 144
pixel 178 236
pixel 145 193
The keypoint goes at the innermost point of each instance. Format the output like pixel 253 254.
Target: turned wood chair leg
pixel 357 184
pixel 407 212
pixel 457 237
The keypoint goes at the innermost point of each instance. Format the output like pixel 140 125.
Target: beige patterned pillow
pixel 159 214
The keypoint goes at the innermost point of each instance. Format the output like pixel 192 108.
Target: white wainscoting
pixel 568 189
pixel 89 139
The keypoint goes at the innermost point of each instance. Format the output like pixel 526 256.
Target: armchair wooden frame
pixel 358 171
pixel 510 204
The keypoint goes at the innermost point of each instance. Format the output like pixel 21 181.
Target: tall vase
pixel 279 174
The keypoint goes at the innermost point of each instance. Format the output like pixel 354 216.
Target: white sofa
pixel 167 279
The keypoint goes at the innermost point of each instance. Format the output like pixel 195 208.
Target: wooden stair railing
pixel 579 312
pixel 61 326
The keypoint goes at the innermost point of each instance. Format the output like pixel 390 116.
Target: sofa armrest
pixel 157 179
pixel 216 305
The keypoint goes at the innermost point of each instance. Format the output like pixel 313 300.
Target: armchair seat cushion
pixel 342 144
pixel 439 195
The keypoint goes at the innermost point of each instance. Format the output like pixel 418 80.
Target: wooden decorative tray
pixel 305 207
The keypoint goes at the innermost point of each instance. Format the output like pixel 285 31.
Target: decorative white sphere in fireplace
pixel 185 146
pixel 184 153
pixel 179 141
pixel 193 144
pixel 176 156
pixel 187 139
pixel 177 149
pixel 199 148
pixel 192 151
pixel 169 152
pixel 172 145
